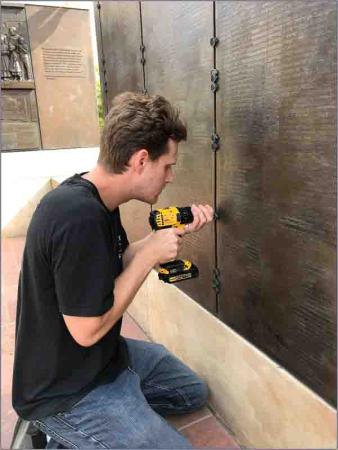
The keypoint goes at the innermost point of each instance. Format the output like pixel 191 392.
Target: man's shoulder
pixel 69 202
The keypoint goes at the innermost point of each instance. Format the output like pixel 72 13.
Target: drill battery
pixel 178 270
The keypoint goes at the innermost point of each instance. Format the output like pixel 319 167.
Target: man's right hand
pixel 165 245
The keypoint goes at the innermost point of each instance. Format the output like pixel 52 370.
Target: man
pixel 75 377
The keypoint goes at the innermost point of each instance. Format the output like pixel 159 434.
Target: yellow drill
pixel 180 269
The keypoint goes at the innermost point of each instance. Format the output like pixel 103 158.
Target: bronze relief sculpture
pixel 15 57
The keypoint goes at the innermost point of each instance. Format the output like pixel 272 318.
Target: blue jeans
pixel 127 413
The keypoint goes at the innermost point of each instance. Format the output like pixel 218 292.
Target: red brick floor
pixel 201 428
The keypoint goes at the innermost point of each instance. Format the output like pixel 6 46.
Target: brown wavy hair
pixel 136 121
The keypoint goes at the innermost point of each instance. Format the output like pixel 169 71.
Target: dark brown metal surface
pixel 121 37
pixel 119 34
pixel 134 216
pixel 100 54
pixel 276 167
pixel 20 129
pixel 277 182
pixel 178 62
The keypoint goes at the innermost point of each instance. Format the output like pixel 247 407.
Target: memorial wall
pixel 256 83
pixel 47 78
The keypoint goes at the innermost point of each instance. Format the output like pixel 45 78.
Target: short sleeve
pixel 82 258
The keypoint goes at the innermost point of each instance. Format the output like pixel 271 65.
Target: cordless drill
pixel 180 269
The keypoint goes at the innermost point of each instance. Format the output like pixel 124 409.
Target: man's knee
pixel 198 390
pixel 201 393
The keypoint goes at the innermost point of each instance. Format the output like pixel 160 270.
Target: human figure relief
pixel 23 50
pixel 14 59
pixel 5 73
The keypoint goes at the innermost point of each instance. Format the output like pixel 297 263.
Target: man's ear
pixel 139 159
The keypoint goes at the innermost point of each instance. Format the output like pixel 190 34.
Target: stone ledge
pixel 260 402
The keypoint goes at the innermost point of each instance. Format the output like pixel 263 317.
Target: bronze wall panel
pixel 19 105
pixel 20 125
pixel 119 33
pixel 276 111
pixel 134 216
pixel 178 63
pixel 101 60
pixel 64 76
pixel 14 17
pixel 20 135
pixel 121 36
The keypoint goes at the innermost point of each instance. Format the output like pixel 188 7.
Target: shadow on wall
pixel 45 22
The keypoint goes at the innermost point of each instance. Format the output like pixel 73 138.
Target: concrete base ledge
pixel 260 402
pixel 22 204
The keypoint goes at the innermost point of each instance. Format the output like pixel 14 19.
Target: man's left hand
pixel 203 214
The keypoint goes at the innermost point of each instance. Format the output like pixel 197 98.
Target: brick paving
pixel 201 427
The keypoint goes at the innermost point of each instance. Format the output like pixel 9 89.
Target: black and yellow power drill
pixel 159 219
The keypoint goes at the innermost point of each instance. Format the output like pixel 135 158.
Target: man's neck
pixel 113 188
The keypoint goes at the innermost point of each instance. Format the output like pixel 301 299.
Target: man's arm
pixel 202 216
pixel 132 249
pixel 139 258
pixel 161 246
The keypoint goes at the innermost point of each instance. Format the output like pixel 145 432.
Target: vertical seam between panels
pixel 142 47
pixel 104 88
pixel 215 157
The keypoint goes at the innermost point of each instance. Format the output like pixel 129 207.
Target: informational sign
pixel 63 62
pixel 64 76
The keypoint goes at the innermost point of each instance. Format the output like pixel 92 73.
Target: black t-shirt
pixel 73 252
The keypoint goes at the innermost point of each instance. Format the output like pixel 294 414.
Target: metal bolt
pixel 215 141
pixel 214 41
pixel 214 74
pixel 214 87
pixel 215 138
